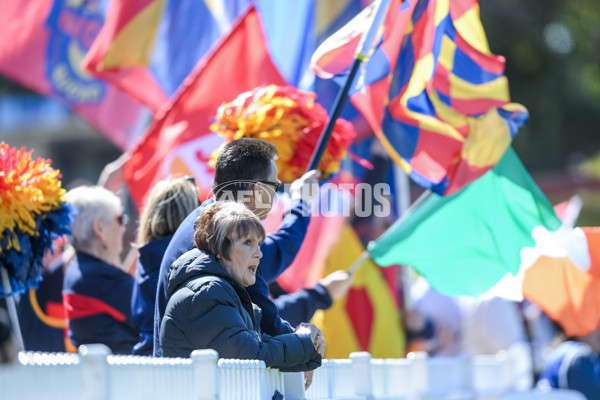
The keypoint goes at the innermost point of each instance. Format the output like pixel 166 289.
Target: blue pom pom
pixel 25 265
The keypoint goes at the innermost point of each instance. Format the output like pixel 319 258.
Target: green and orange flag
pixel 500 236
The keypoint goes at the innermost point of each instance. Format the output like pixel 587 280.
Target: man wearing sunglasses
pixel 246 172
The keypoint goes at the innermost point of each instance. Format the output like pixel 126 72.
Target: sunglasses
pixel 276 185
pixel 122 219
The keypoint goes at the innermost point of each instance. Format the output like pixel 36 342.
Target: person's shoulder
pixel 578 351
pixel 187 258
pixel 210 290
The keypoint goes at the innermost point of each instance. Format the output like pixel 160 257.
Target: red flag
pixel 42 44
pixel 238 64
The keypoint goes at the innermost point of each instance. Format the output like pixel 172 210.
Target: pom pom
pixel 291 120
pixel 32 213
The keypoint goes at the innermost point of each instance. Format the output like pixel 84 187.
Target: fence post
pixel 96 384
pixel 293 383
pixel 419 374
pixel 206 378
pixel 361 374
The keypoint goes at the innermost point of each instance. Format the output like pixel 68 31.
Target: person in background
pixel 445 315
pixel 300 306
pixel 96 291
pixel 245 172
pixel 574 364
pixel 169 202
pixel 41 312
pixel 207 303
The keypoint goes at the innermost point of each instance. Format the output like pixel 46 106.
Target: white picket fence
pixel 95 374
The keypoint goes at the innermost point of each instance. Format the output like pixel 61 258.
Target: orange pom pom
pixel 291 120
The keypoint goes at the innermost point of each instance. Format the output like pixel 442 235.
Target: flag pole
pixel 364 47
pixel 12 309
pixel 365 254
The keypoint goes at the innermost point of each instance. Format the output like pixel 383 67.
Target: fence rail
pixel 95 374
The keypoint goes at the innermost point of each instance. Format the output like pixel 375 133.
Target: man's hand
pixel 306 187
pixel 111 176
pixel 337 283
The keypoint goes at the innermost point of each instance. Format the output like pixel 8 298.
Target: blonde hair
pixel 218 221
pixel 169 203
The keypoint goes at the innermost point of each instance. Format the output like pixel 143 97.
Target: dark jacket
pixel 279 250
pixel 300 306
pixel 97 300
pixel 37 335
pixel 144 292
pixel 207 308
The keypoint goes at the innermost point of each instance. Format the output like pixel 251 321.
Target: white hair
pixel 91 203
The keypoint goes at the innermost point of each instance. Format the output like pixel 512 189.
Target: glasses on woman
pixel 122 219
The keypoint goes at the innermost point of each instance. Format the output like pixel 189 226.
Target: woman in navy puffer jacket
pixel 208 307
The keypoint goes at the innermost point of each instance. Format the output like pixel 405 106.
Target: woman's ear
pixel 98 228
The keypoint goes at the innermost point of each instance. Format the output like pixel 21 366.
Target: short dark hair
pixel 218 221
pixel 245 159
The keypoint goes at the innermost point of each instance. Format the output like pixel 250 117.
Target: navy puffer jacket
pixel 208 309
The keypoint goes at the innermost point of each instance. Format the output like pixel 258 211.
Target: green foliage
pixel 552 51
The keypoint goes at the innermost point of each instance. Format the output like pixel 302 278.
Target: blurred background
pixel 552 51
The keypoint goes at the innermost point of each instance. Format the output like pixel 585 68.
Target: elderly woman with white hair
pixel 96 291
pixel 207 303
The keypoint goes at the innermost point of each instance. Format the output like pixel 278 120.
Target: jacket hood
pixel 192 264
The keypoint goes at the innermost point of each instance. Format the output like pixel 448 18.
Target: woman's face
pixel 244 256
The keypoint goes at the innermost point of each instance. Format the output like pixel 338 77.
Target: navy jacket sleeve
pixel 280 248
pixel 300 306
pixel 584 375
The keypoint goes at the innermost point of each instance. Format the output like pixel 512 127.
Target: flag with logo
pixel 42 43
pixel 179 140
pixel 431 90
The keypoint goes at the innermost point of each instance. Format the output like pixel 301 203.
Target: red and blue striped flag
pixel 432 91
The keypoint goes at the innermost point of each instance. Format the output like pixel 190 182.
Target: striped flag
pixel 432 91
